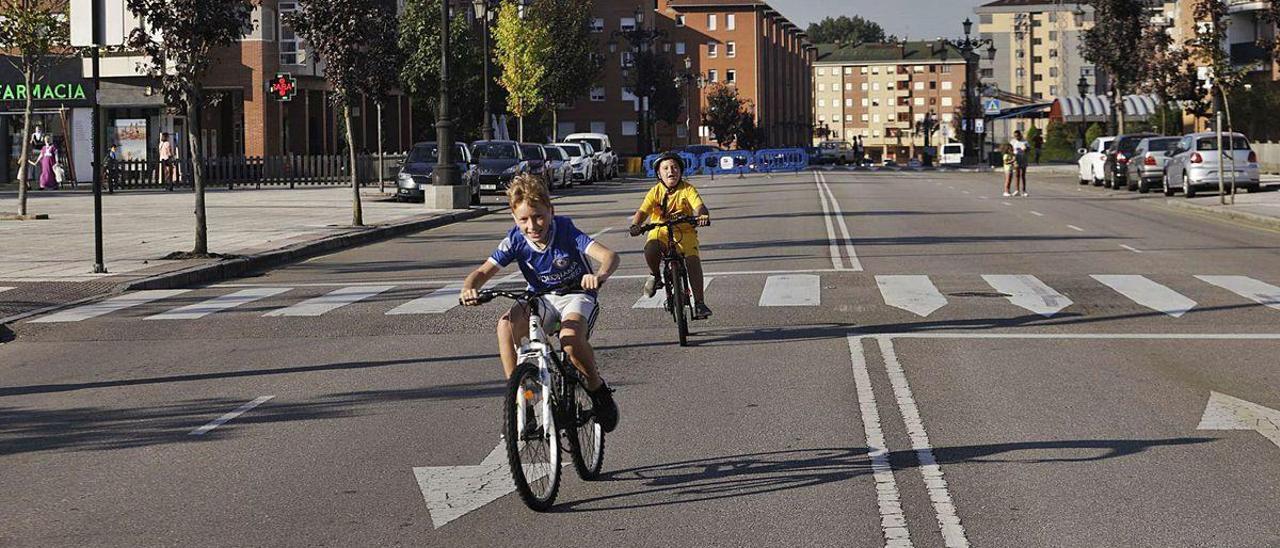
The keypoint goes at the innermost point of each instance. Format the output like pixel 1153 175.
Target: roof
pixel 1097 108
pixel 1006 6
pixel 885 52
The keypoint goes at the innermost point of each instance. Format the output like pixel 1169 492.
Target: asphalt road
pixel 1075 368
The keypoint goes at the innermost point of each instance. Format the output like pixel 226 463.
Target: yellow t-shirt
pixel 682 200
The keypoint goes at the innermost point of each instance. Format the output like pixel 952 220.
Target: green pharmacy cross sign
pixel 283 87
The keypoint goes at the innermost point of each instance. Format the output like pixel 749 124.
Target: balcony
pixel 1250 54
pixel 1245 6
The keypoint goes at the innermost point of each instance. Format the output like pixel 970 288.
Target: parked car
pixel 835 152
pixel 582 163
pixel 952 154
pixel 415 174
pixel 1091 161
pixel 1194 164
pixel 535 159
pixel 497 162
pixel 1146 166
pixel 557 167
pixel 1116 164
pixel 603 150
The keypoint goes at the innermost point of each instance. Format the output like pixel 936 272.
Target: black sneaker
pixel 701 311
pixel 606 410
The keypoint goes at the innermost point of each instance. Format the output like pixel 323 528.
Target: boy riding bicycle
pixel 551 253
pixel 673 197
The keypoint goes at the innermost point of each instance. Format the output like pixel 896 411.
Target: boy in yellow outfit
pixel 673 197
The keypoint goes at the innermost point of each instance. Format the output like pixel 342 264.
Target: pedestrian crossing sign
pixel 991 106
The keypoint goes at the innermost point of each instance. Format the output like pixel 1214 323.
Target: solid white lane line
pixel 1257 291
pixel 113 304
pixel 1131 249
pixel 792 290
pixel 330 301
pixel 437 302
pixel 1075 228
pixel 1150 294
pixel 1084 336
pixel 854 264
pixel 1036 213
pixel 965 192
pixel 223 419
pixel 953 535
pixel 1029 292
pixel 1007 203
pixel 659 297
pixel 836 261
pixel 915 294
pixel 3 289
pixel 893 523
pixel 218 304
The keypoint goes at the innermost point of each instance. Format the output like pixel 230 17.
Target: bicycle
pixel 675 276
pixel 546 399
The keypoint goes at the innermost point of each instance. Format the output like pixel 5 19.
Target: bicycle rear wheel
pixel 586 437
pixel 681 303
pixel 533 446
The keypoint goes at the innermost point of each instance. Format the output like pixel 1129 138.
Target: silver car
pixel 1194 164
pixel 1145 169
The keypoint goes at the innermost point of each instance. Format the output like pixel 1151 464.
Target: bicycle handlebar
pixel 683 219
pixel 485 295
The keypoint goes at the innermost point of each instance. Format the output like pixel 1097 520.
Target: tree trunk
pixel 520 128
pixel 357 216
pixel 28 77
pixel 555 124
pixel 193 100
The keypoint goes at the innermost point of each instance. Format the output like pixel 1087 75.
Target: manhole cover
pixel 991 294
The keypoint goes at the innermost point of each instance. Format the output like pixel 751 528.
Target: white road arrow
pixel 453 491
pixel 1224 412
pixel 915 294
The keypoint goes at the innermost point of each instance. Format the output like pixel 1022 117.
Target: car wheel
pixel 475 196
pixel 1187 190
pixel 1253 188
pixel 1164 182
pixel 1142 186
pixel 1130 186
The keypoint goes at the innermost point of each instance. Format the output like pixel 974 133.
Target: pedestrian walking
pixel 1007 159
pixel 48 162
pixel 168 160
pixel 1036 144
pixel 112 163
pixel 1019 163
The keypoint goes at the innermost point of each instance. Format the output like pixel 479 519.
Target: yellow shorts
pixel 686 240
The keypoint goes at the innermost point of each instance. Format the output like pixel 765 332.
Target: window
pixel 822 102
pixel 848 86
pixel 919 116
pixel 865 86
pixel 848 70
pixel 1053 35
pixel 946 69
pixel 730 22
pixel 679 19
pixel 730 76
pixel 822 87
pixel 598 127
pixel 597 24
pixel 628 128
pixel 987 73
pixel 875 86
pixel 866 117
pixel 985 19
pixel 730 49
pixel 1053 72
pixel 682 132
pixel 875 119
pixel 948 117
pixel 628 59
pixel 946 101
pixel 822 71
pixel 947 85
pixel 666 47
pixel 1037 41
pixel 919 101
pixel 679 48
pixel 1053 54
pixel 933 68
pixel 713 75
pixel 712 49
pixel 875 70
pixel 865 102
pixel 862 70
pixel 875 102
pixel 291 46
pixel 565 128
pixel 933 85
pixel 627 23
pixel 919 86
pixel 627 95
pixel 888 87
pixel 849 117
pixel 1053 90
pixel 848 102
pixel 597 93
pixel 822 117
pixel 711 21
pixel 1037 59
pixel 917 69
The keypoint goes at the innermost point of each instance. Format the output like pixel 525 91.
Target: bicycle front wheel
pixel 680 306
pixel 533 447
pixel 586 437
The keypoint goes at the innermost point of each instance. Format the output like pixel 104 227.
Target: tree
pixel 725 114
pixel 36 35
pixel 419 41
pixel 522 51
pixel 356 39
pixel 1095 130
pixel 1110 45
pixel 178 39
pixel 844 29
pixel 575 67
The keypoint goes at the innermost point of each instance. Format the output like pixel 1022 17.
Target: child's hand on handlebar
pixel 469 297
pixel 704 220
pixel 591 283
pixel 635 230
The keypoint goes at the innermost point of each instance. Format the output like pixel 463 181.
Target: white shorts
pixel 555 307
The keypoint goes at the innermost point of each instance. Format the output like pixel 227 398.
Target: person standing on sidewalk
pixel 47 160
pixel 1019 163
pixel 1036 144
pixel 167 160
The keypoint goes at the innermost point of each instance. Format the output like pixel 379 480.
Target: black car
pixel 535 159
pixel 497 162
pixel 1116 164
pixel 415 174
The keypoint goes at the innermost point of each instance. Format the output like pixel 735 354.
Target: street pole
pixel 381 186
pixel 446 173
pixel 487 129
pixel 99 264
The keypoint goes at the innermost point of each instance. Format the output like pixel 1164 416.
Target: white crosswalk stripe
pixel 659 297
pixel 114 304
pixel 330 301
pixel 438 302
pixel 1029 292
pixel 792 290
pixel 3 289
pixel 218 304
pixel 1148 293
pixel 1257 291
pixel 915 294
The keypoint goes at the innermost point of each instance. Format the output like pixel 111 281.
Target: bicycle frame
pixel 555 374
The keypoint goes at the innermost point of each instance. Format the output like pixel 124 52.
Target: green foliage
pixel 726 114
pixel 356 39
pixel 1114 37
pixel 1032 134
pixel 178 38
pixel 419 40
pixel 35 35
pixel 1253 111
pixel 844 29
pixel 574 67
pixel 1060 142
pixel 1095 130
pixel 522 50
pixel 664 96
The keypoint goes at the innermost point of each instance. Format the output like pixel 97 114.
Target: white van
pixel 952 154
pixel 604 151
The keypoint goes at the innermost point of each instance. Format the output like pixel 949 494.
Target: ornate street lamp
pixel 1083 87
pixel 640 39
pixel 968 47
pixel 482 15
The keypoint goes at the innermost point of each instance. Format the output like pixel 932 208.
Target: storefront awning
pixel 1034 110
pixel 1097 108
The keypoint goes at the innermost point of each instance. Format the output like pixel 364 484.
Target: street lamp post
pixel 446 193
pixel 482 14
pixel 1083 87
pixel 693 81
pixel 968 47
pixel 640 38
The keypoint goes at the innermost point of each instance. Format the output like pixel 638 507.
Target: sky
pixel 914 19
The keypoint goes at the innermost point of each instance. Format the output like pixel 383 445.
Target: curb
pixel 1252 219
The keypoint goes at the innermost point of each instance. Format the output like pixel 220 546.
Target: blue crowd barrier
pixel 691 164
pixel 780 159
pixel 713 162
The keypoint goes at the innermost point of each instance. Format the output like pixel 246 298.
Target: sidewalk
pixel 50 262
pixel 1259 208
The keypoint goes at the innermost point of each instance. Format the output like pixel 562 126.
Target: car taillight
pixel 1253 157
pixel 1121 159
pixel 1196 158
pixel 1149 160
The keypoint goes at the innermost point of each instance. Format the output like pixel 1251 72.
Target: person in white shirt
pixel 1020 147
pixel 168 160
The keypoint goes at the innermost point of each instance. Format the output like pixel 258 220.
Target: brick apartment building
pixel 881 93
pixel 744 43
pixel 247 120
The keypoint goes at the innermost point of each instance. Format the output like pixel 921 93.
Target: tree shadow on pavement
pixel 752 474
